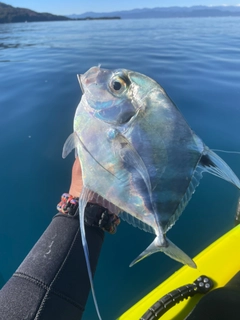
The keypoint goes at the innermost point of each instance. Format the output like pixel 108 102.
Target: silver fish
pixel 137 151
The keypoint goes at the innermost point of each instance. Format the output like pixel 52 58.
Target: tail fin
pixel 215 165
pixel 169 249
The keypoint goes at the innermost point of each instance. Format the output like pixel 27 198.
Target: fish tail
pixel 169 249
pixel 215 165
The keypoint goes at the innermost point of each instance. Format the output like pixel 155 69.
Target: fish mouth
pixel 79 76
pixel 88 77
pixel 93 84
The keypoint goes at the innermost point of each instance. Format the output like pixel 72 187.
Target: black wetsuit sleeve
pixel 52 282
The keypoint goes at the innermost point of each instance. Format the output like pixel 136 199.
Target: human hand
pixel 109 220
pixel 76 183
pixel 77 186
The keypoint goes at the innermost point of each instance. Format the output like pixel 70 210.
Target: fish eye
pixel 117 85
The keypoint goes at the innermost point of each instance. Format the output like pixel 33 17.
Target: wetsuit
pixel 52 282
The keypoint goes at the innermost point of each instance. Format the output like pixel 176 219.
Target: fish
pixel 137 151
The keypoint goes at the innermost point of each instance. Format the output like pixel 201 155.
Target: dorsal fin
pixel 215 165
pixel 209 162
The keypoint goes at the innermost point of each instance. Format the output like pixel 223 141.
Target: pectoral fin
pixel 70 144
pixel 169 249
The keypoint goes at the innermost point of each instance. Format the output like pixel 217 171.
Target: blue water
pixel 197 61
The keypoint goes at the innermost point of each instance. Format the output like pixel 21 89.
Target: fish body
pixel 138 152
pixel 160 139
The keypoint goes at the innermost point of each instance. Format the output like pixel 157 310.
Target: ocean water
pixel 197 61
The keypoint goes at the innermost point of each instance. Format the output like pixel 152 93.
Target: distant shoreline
pixel 55 20
pixel 115 18
pixel 10 14
pixel 99 18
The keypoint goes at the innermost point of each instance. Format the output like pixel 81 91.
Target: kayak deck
pixel 218 261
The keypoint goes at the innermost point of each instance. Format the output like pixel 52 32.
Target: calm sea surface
pixel 197 61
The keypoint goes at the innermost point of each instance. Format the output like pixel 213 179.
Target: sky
pixel 64 7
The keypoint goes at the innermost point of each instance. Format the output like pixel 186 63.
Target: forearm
pixel 52 282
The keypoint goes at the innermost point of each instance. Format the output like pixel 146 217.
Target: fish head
pixel 114 96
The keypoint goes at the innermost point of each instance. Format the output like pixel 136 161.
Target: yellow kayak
pixel 219 262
